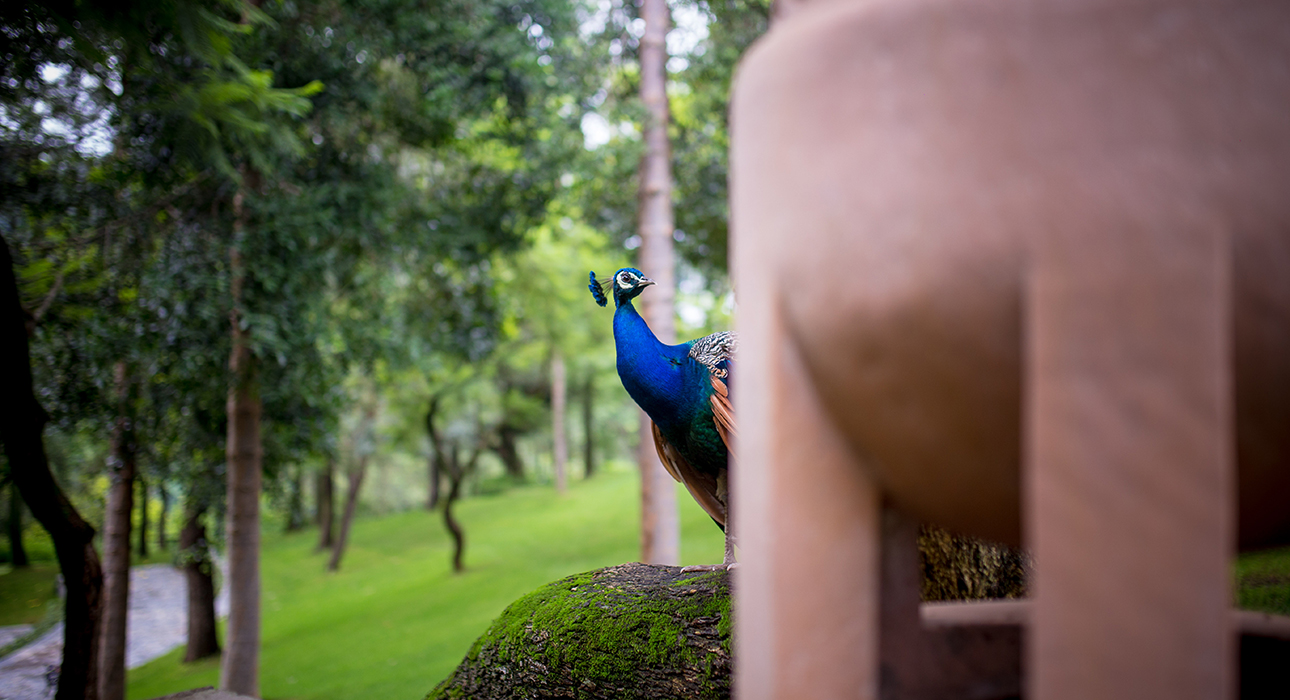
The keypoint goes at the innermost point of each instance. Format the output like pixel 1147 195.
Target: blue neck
pixel 651 371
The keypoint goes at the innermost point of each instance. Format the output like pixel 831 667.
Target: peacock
pixel 685 390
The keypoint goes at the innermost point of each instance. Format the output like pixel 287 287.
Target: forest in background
pixel 366 223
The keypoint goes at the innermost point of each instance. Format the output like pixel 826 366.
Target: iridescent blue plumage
pixel 684 389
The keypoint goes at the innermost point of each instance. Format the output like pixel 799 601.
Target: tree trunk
pixel 347 519
pixel 660 531
pixel 450 522
pixel 559 439
pixel 165 513
pixel 508 452
pixel 434 465
pixel 326 504
pixel 240 667
pixel 630 631
pixel 588 425
pixel 22 421
pixel 143 516
pixel 433 478
pixel 296 501
pixel 18 555
pixel 116 545
pixel 456 475
pixel 194 552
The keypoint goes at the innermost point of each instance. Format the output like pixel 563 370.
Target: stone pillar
pixel 1017 269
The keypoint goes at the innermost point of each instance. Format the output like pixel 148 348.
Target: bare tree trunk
pixel 240 667
pixel 433 479
pixel 660 531
pixel 165 513
pixel 326 504
pixel 198 566
pixel 18 555
pixel 296 501
pixel 347 520
pixel 559 439
pixel 508 452
pixel 434 465
pixel 588 425
pixel 143 516
pixel 22 421
pixel 450 522
pixel 456 475
pixel 116 545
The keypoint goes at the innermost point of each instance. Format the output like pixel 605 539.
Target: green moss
pixel 598 629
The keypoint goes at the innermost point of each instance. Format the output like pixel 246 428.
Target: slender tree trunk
pixel 18 555
pixel 435 460
pixel 450 522
pixel 559 438
pixel 116 545
pixel 194 549
pixel 326 504
pixel 165 513
pixel 347 519
pixel 22 421
pixel 589 426
pixel 509 452
pixel 240 667
pixel 456 475
pixel 296 501
pixel 143 516
pixel 432 477
pixel 660 531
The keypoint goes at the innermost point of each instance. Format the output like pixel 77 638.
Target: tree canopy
pixel 412 190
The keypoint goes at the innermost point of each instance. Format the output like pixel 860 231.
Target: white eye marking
pixel 623 281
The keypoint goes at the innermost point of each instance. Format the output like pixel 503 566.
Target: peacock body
pixel 685 391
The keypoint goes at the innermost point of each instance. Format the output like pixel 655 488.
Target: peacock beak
pixel 645 282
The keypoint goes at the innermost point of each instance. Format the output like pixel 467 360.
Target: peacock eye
pixel 625 281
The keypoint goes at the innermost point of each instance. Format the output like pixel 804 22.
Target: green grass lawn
pixel 1263 581
pixel 24 592
pixel 395 620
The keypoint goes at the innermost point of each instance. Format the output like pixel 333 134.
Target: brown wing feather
pixel 702 486
pixel 663 448
pixel 723 414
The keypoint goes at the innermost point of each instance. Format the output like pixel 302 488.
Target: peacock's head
pixel 627 283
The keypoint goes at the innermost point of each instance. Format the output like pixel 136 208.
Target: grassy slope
pixel 1263 581
pixel 24 592
pixel 395 621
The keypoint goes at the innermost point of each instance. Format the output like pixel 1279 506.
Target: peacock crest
pixel 598 290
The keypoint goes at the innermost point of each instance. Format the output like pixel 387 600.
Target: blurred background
pixel 396 203
pixel 366 225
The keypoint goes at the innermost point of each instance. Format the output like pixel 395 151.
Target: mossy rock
pixel 630 631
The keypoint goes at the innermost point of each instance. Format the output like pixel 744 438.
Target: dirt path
pixel 158 622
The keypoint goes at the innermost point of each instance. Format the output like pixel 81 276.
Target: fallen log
pixel 630 631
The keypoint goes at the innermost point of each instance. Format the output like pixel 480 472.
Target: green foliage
pixel 700 134
pixel 418 209
pixel 383 159
pixel 698 91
